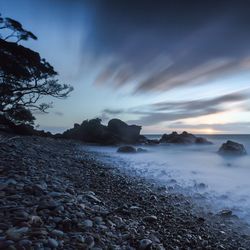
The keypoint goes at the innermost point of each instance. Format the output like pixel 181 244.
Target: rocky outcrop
pixel 232 148
pixel 93 131
pixel 183 138
pixel 126 133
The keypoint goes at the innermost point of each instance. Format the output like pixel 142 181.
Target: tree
pixel 24 76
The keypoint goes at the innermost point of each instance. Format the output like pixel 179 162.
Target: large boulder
pixel 232 148
pixel 126 133
pixel 183 138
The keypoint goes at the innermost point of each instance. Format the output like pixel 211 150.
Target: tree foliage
pixel 24 76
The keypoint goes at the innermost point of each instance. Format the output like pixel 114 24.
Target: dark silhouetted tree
pixel 24 76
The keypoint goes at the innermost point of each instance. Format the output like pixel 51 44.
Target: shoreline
pixel 56 196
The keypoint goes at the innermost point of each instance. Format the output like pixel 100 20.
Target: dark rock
pixel 145 244
pixel 89 240
pixel 183 138
pixel 150 219
pixel 53 243
pixel 152 142
pixel 57 233
pixel 225 213
pixel 126 133
pixel 232 148
pixel 26 244
pixel 16 233
pixel 93 131
pixel 126 149
pixel 88 223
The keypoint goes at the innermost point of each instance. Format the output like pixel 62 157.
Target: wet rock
pixel 57 233
pixel 150 219
pixel 35 220
pixel 4 226
pixel 145 244
pixel 98 220
pixel 225 213
pixel 26 244
pixel 89 240
pixel 6 244
pixel 232 148
pixel 53 243
pixel 16 233
pixel 88 223
pixel 126 149
pixel 92 196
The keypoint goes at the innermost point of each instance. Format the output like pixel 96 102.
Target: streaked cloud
pixel 155 113
pixel 166 45
pixel 113 111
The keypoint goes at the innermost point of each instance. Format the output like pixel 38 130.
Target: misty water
pixel 216 182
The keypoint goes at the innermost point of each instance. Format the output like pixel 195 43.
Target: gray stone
pixel 145 244
pixel 151 218
pixel 16 233
pixel 89 240
pixel 57 233
pixel 88 223
pixel 225 213
pixel 53 243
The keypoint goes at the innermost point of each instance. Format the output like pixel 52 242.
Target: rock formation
pixel 93 131
pixel 126 133
pixel 232 148
pixel 183 138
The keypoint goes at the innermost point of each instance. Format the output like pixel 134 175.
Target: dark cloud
pixel 160 45
pixel 113 111
pixel 173 111
pixel 201 104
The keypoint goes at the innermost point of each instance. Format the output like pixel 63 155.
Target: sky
pixel 165 65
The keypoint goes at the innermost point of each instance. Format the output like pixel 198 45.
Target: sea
pixel 214 181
